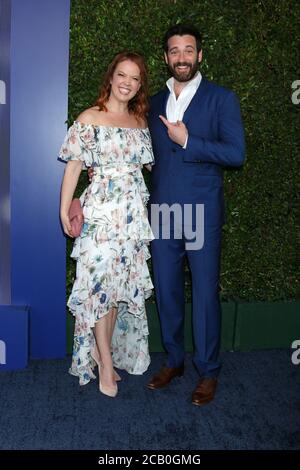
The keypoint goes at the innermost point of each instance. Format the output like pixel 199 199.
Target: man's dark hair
pixel 181 30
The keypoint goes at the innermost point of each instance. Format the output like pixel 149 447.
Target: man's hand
pixel 176 130
pixel 90 173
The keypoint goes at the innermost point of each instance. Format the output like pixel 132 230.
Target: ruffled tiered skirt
pixel 112 271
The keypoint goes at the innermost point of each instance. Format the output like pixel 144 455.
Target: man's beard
pixel 184 76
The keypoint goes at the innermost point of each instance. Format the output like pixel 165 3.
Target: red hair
pixel 138 105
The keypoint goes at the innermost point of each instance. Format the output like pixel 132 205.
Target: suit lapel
pixel 195 102
pixel 164 102
pixel 192 107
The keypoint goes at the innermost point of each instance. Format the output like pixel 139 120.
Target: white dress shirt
pixel 177 106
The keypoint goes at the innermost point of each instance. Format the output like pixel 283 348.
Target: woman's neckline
pixel 111 127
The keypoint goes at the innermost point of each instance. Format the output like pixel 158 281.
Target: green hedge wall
pixel 253 48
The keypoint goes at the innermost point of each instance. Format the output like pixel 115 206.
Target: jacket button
pixel 174 150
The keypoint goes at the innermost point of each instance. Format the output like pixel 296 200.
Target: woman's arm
pixel 69 183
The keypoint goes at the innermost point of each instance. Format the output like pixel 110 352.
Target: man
pixel 196 129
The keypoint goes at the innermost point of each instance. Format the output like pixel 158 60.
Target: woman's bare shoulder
pixel 142 123
pixel 90 116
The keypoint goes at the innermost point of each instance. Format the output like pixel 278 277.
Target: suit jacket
pixel 216 140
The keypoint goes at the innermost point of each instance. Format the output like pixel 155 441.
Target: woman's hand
pixel 71 175
pixel 66 225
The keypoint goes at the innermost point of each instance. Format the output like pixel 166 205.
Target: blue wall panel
pixel 14 337
pixel 5 288
pixel 39 84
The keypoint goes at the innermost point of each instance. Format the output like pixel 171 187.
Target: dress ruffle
pixel 111 251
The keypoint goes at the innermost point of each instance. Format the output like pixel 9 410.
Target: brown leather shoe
pixel 205 391
pixel 164 377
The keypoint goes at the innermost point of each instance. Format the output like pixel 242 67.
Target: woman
pixel 112 277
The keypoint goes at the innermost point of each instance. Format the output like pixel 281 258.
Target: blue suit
pixel 193 176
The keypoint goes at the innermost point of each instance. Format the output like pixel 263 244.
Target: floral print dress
pixel 111 251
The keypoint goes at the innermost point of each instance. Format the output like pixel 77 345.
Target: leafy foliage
pixel 253 48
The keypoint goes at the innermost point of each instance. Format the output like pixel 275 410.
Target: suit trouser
pixel 168 269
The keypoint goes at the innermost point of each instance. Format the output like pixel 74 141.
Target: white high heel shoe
pixel 117 377
pixel 109 391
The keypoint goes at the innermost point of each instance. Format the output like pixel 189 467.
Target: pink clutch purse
pixel 76 217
